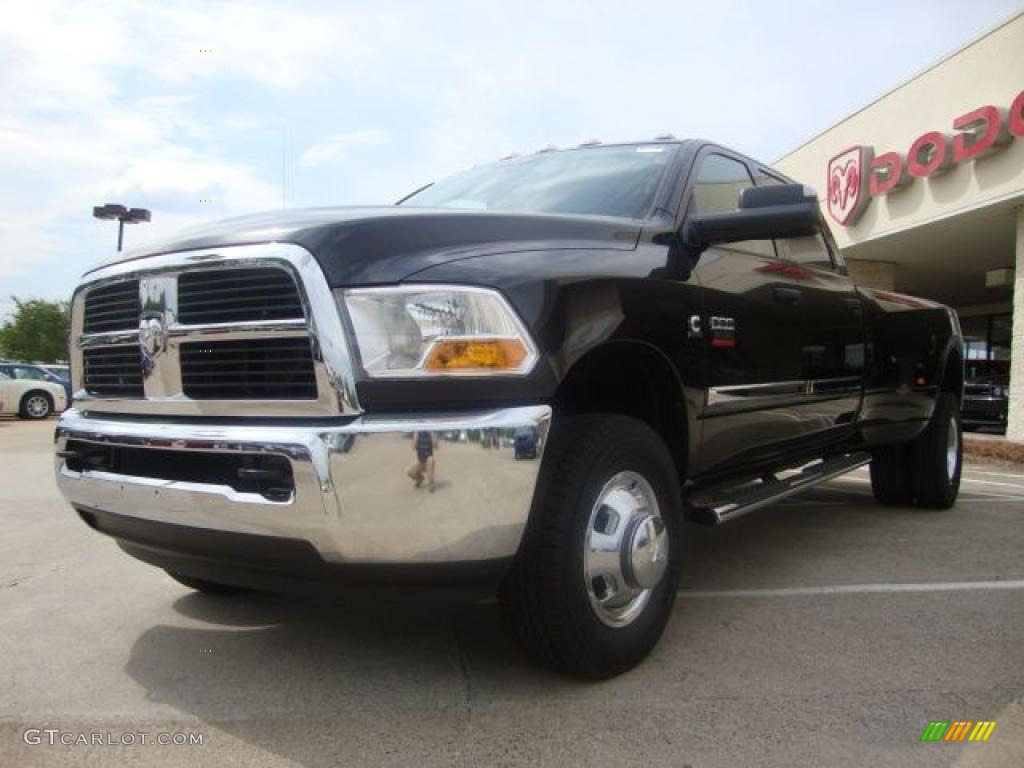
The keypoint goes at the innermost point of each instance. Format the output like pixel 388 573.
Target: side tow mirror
pixel 764 213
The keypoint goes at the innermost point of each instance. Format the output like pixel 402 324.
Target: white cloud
pixel 57 171
pixel 334 148
pixel 103 103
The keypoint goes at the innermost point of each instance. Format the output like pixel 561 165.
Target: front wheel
pixel 595 579
pixel 36 405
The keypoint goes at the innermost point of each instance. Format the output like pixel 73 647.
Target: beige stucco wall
pixel 1015 428
pixel 873 274
pixel 988 71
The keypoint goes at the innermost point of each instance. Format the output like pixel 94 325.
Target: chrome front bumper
pixel 353 501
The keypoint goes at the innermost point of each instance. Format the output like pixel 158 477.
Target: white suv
pixel 25 391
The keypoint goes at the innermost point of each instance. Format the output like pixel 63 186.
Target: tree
pixel 37 331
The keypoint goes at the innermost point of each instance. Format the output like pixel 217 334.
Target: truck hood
pixel 358 245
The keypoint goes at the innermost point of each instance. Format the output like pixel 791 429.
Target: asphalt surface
pixel 823 631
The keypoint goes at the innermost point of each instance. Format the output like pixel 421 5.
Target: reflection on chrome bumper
pixel 353 498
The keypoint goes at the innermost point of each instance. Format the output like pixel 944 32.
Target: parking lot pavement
pixel 825 631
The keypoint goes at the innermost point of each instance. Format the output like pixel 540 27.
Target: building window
pixel 999 337
pixel 987 337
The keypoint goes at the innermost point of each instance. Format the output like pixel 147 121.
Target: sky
pixel 204 110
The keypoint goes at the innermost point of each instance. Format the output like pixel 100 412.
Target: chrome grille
pixel 237 295
pixel 284 348
pixel 263 369
pixel 113 371
pixel 114 307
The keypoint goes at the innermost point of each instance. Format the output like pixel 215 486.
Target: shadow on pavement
pixel 327 682
pixel 321 680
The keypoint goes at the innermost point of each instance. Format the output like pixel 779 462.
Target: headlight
pixel 425 331
pixel 1000 391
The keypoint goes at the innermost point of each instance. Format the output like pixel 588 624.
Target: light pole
pixel 123 215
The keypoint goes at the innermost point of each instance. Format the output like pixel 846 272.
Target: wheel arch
pixel 636 379
pixel 36 391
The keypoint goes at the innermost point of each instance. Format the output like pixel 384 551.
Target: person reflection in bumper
pixel 425 445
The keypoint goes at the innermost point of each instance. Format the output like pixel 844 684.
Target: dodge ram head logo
pixel 846 184
pixel 152 339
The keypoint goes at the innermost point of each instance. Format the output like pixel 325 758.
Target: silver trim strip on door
pixel 776 390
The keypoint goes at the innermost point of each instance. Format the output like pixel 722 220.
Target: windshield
pixel 601 181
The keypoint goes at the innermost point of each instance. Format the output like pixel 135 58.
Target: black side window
pixel 808 251
pixel 717 190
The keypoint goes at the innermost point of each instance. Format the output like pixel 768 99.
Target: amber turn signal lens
pixel 475 354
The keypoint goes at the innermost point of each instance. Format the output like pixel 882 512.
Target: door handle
pixel 854 306
pixel 787 295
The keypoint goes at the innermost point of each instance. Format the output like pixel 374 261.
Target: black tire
pixel 890 476
pixel 32 405
pixel 936 483
pixel 545 596
pixel 207 587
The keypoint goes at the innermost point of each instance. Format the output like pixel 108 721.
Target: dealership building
pixel 924 191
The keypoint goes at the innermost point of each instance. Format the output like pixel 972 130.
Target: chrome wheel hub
pixel 952 444
pixel 626 549
pixel 37 406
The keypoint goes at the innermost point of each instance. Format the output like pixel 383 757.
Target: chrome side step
pixel 733 503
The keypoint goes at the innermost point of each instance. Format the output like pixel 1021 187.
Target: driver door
pixel 753 329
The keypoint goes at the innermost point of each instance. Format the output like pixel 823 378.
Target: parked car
pixel 674 312
pixel 986 394
pixel 34 372
pixel 26 391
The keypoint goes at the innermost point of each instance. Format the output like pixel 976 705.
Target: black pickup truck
pixel 329 399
